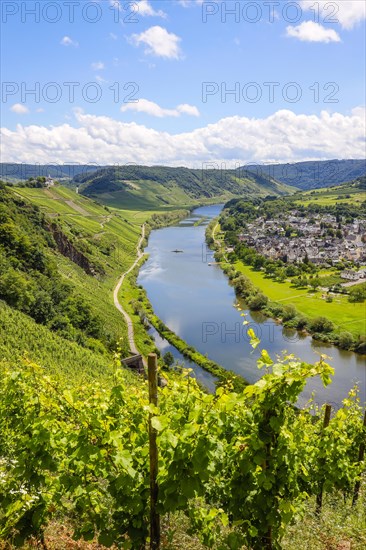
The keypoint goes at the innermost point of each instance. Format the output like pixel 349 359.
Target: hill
pixel 350 193
pixel 61 255
pixel 12 172
pixel 142 187
pixel 312 174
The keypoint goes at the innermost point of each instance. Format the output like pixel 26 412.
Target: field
pixel 330 196
pixel 346 316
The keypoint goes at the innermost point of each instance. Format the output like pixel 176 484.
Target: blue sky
pixel 179 60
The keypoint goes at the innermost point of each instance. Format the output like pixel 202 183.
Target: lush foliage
pixel 21 336
pixel 244 461
pixel 149 187
pixel 29 277
pixel 313 174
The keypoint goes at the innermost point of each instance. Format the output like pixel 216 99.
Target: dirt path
pixel 131 337
pixel 214 233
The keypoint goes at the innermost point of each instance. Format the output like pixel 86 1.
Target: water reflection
pixel 196 300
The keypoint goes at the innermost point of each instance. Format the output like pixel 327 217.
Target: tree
pixel 280 274
pixel 259 262
pixel 357 294
pixel 291 271
pixel 321 324
pixel 289 312
pixel 314 283
pixel 345 340
pixel 168 359
pixel 258 301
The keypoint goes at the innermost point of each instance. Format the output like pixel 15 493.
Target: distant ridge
pixel 10 171
pixel 304 175
pixel 159 186
pixel 312 174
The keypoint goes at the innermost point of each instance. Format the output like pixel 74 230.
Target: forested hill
pixel 313 174
pixel 60 256
pixel 11 172
pixel 146 187
pixel 30 281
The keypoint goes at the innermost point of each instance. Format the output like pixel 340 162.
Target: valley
pixel 96 249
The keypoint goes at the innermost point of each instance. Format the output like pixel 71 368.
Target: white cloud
pixel 100 79
pixel 159 42
pixel 67 41
pixel 40 110
pixel 116 4
pixel 281 137
pixel 308 31
pixel 153 109
pixel 19 109
pixel 190 3
pixel 97 66
pixel 188 109
pixel 145 9
pixel 347 12
pixel 113 36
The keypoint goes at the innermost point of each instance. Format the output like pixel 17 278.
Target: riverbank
pixel 143 314
pixel 301 310
pixel 140 312
pixel 193 297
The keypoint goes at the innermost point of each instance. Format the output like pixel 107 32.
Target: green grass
pixel 339 523
pixel 346 316
pixel 332 195
pixel 21 337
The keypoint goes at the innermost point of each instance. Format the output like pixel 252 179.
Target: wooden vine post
pixel 361 456
pixel 152 364
pixel 319 496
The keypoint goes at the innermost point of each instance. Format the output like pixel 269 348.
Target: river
pixel 195 300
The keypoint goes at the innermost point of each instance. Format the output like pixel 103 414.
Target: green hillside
pixel 141 187
pixel 12 172
pixel 348 193
pixel 61 255
pixel 74 432
pixel 312 174
pixel 22 338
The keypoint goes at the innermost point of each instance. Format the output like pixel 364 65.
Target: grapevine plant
pixel 240 465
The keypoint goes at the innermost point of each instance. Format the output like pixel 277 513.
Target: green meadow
pixel 331 196
pixel 346 316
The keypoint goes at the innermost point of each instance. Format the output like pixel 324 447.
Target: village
pixel 320 239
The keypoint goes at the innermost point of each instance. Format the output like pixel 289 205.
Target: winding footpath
pixel 131 337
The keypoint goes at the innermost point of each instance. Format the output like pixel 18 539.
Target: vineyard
pixel 240 466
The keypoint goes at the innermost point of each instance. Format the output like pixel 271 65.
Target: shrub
pixel 275 310
pixel 168 359
pixel 302 322
pixel 321 324
pixel 289 312
pixel 258 301
pixel 345 340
